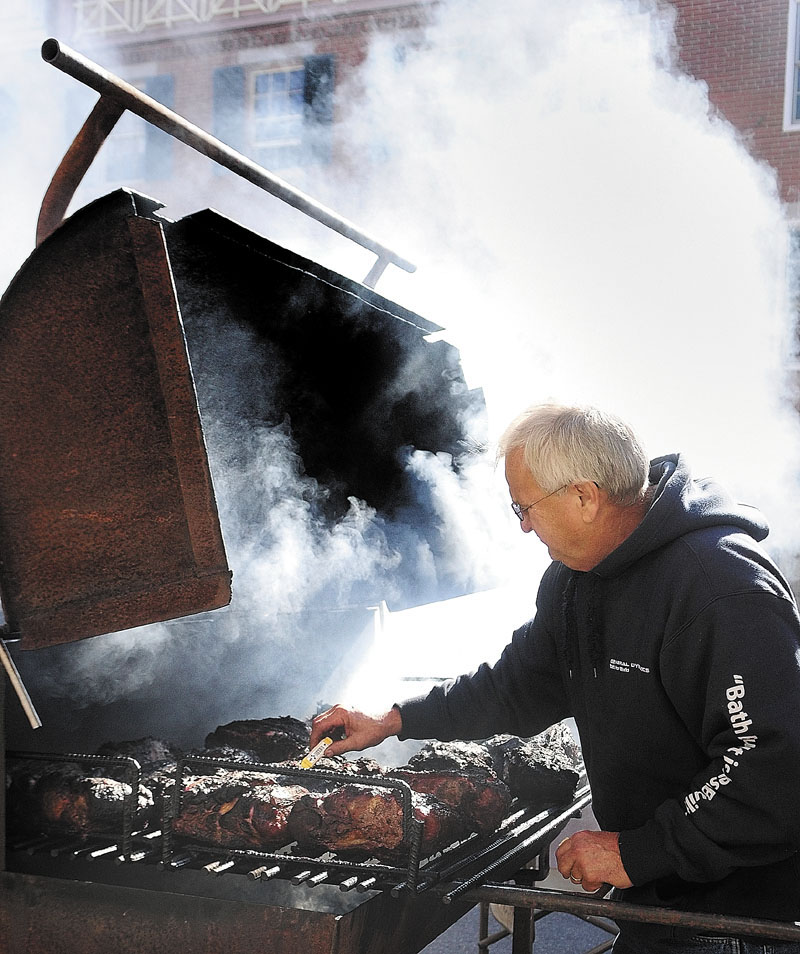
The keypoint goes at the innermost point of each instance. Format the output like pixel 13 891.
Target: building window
pixel 277 116
pixel 281 117
pixel 791 119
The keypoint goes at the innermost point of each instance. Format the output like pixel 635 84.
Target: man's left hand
pixel 591 859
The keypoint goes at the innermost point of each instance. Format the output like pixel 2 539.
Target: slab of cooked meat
pixel 157 759
pixel 367 821
pixel 270 740
pixel 225 753
pixel 436 756
pixel 67 799
pixel 146 751
pixel 237 809
pixel 543 770
pixel 476 793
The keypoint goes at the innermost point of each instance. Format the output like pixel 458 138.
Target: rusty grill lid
pixel 107 512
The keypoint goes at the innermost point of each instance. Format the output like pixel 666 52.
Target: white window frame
pixel 791 123
pixel 278 142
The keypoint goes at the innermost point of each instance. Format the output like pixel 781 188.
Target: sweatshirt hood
pixel 681 504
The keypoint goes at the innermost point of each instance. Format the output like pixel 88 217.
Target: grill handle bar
pixel 115 97
pixel 545 899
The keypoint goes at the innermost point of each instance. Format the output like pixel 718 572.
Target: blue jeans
pixel 702 943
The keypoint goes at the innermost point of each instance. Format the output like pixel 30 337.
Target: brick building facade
pixel 747 53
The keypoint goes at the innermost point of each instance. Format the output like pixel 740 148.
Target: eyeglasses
pixel 521 511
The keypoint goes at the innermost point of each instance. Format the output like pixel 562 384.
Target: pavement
pixel 555 933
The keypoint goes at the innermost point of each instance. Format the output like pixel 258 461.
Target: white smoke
pixel 589 229
pixel 586 228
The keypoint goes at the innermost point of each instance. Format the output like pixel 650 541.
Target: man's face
pixel 555 520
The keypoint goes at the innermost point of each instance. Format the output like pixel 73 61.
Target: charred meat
pixel 543 770
pixel 146 751
pixel 452 757
pixel 157 759
pixel 67 799
pixel 476 794
pixel 367 821
pixel 270 740
pixel 237 809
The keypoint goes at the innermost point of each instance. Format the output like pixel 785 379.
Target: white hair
pixel 567 445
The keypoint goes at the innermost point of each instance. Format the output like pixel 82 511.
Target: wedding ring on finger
pixel 575 880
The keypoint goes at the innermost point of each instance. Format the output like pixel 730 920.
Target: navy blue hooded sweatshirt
pixel 679 658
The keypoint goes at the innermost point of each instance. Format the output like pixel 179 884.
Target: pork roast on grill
pixel 146 751
pixel 270 740
pixel 366 821
pixel 67 799
pixel 476 794
pixel 436 756
pixel 157 759
pixel 237 809
pixel 543 770
pixel 87 797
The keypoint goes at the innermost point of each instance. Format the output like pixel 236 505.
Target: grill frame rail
pixel 546 899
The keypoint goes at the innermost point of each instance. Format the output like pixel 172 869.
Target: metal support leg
pixel 524 931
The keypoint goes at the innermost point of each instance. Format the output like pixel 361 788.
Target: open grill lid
pixel 108 518
pixel 107 512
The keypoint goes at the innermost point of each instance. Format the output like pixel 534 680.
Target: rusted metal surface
pixel 75 164
pixel 40 915
pixel 107 513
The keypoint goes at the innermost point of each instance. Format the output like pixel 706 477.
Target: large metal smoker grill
pixel 74 565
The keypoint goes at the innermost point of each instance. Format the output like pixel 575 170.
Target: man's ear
pixel 589 499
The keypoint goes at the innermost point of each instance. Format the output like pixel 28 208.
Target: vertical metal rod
pixel 2 775
pixel 524 933
pixel 483 924
pixel 19 688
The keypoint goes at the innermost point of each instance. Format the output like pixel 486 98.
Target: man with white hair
pixel 673 640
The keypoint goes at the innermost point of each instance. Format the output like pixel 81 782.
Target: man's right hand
pixel 357 730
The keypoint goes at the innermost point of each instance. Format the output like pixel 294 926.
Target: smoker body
pixel 114 345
